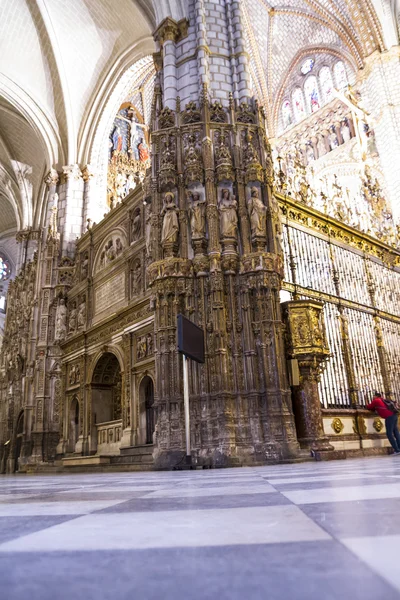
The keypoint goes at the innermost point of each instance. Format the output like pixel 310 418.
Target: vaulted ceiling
pixel 60 62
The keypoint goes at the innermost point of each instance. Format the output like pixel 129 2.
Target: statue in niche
pixel 82 313
pixel 137 277
pixel 321 146
pixel 144 154
pixel 333 139
pixel 61 321
pixel 118 247
pixel 197 216
pixel 309 152
pixel 170 226
pixel 85 266
pixel 149 344
pixel 102 260
pixel 345 131
pixel 110 251
pixel 136 226
pixel 141 347
pixel 258 214
pixel 228 215
pixel 148 216
pixel 72 318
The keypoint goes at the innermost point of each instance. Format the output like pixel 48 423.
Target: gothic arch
pixel 112 349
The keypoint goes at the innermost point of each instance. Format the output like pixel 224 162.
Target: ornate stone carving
pixel 166 118
pixel 72 318
pixel 197 216
pixel 228 215
pixel 61 321
pixel 258 214
pixel 144 346
pixel 82 313
pixel 217 113
pixel 167 175
pixel 191 114
pixel 377 424
pixel 223 159
pixel 170 226
pixel 253 168
pixel 193 162
pixel 245 114
pixel 136 227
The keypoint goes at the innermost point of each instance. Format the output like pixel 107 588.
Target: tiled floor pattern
pixel 314 531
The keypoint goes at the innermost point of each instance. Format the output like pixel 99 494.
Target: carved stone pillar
pixel 306 342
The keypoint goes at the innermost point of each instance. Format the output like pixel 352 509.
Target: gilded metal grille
pixel 362 313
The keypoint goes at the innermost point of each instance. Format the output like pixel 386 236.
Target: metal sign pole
pixel 187 413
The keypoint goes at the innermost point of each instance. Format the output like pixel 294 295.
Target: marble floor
pixel 313 531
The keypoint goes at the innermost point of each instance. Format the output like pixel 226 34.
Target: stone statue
pixel 333 140
pixel 148 216
pixel 61 321
pixel 82 314
pixel 258 214
pixel 321 146
pixel 136 226
pixel 345 131
pixel 85 266
pixel 137 278
pixel 72 318
pixel 170 226
pixel 228 215
pixel 197 216
pixel 118 247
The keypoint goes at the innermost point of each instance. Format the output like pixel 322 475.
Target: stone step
pixel 146 449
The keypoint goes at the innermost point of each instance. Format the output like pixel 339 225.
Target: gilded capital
pixel 171 30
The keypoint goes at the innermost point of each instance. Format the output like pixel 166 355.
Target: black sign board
pixel 190 339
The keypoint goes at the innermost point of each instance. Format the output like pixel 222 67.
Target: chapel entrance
pixel 106 394
pixel 146 396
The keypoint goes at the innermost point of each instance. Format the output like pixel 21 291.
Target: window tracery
pixel 316 91
pixel 311 93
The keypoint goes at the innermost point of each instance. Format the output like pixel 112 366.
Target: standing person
pixel 388 410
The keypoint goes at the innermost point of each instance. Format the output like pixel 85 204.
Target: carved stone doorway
pixel 146 416
pixel 106 398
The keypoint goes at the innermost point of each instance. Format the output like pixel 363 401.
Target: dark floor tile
pixel 357 518
pixel 304 571
pixel 15 527
pixel 160 504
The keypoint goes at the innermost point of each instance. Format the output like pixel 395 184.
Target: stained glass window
pixel 286 114
pixel 298 105
pixel 307 66
pixel 326 83
pixel 340 75
pixel 4 269
pixel 312 94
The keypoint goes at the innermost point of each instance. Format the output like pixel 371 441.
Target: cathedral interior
pixel 235 162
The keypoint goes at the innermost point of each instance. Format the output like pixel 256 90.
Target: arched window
pixel 312 94
pixel 5 269
pixel 339 71
pixel 298 105
pixel 287 118
pixel 307 66
pixel 326 84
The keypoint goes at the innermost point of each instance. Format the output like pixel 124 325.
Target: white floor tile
pixel 343 494
pixel 18 509
pixel 381 553
pixel 274 524
pixel 200 492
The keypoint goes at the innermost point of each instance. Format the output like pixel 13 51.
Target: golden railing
pixel 358 279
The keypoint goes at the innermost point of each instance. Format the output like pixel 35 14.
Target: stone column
pixel 307 344
pixel 70 207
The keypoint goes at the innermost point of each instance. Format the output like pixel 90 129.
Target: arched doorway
pixel 73 424
pixel 106 394
pixel 146 410
pixel 18 440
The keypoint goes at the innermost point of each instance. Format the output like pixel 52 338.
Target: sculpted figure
pixel 61 321
pixel 197 216
pixel 148 215
pixel 137 278
pixel 118 247
pixel 170 226
pixel 228 215
pixel 72 319
pixel 258 214
pixel 136 226
pixel 345 131
pixel 82 314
